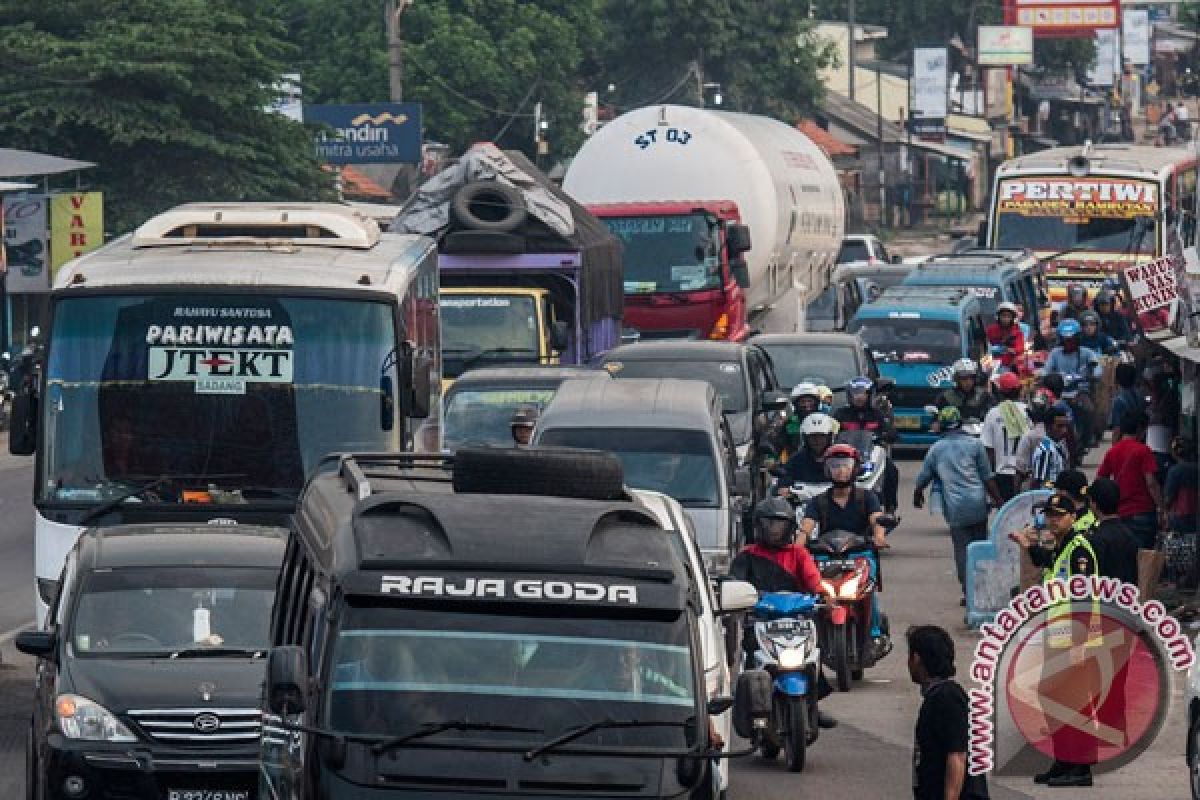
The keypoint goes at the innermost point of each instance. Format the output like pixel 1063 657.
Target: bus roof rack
pixel 259 224
pixel 922 295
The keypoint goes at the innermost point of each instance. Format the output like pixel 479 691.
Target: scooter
pixel 873 459
pixel 1077 393
pixel 789 652
pixel 844 624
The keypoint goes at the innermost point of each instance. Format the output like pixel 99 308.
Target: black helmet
pixel 774 522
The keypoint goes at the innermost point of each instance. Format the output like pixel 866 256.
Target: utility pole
pixel 393 11
pixel 851 56
pixel 879 131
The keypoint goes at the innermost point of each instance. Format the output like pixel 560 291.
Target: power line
pixel 436 79
pixel 513 117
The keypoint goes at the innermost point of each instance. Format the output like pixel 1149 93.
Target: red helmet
pixel 842 451
pixel 1007 382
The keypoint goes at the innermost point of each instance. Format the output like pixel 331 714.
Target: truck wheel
pixel 550 471
pixel 489 206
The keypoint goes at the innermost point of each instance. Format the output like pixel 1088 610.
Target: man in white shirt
pixel 1003 428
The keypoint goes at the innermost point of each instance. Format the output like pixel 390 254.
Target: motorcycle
pixel 1077 394
pixel 872 460
pixel 789 652
pixel 844 625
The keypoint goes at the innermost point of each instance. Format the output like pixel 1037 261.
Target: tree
pixel 166 96
pixel 917 24
pixel 762 52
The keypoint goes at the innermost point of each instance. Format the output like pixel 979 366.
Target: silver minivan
pixel 671 437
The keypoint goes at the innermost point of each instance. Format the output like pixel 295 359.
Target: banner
pixel 1108 59
pixel 1063 18
pixel 930 82
pixel 367 133
pixel 1136 37
pixel 1156 289
pixel 1078 197
pixel 25 243
pixel 1005 46
pixel 76 226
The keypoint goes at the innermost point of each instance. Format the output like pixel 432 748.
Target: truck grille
pixel 200 726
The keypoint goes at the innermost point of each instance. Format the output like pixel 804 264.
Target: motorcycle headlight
pixel 792 657
pixel 81 718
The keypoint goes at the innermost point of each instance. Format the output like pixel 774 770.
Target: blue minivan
pixel 916 334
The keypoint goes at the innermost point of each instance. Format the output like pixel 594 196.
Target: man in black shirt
pixel 1116 549
pixel 940 748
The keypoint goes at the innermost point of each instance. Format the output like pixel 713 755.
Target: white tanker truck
pixel 731 222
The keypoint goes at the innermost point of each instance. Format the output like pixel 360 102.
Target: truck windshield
pixel 153 611
pixel 677 463
pixel 240 393
pixel 911 341
pixel 397 669
pixel 668 253
pixel 725 376
pixel 834 365
pixel 487 329
pixel 1093 213
pixel 484 416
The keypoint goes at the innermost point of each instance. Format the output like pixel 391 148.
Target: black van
pixel 514 626
pixel 151 665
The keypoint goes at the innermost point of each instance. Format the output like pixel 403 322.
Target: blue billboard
pixel 367 133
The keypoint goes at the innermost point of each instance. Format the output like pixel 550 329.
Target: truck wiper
pixel 116 502
pixel 450 725
pixel 217 652
pixel 603 724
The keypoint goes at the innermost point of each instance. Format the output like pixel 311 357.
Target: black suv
pixel 151 665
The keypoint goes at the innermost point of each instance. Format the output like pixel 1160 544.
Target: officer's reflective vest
pixel 1058 616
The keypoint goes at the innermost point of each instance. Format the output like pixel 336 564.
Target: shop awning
pixel 1178 346
pixel 13 186
pixel 949 151
pixel 26 163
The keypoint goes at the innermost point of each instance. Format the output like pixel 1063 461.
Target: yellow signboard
pixel 76 226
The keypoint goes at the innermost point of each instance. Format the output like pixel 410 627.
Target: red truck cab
pixel 684 271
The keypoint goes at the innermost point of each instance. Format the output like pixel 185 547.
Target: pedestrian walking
pixel 1132 465
pixel 960 462
pixel 1003 428
pixel 1126 398
pixel 941 738
pixel 1179 492
pixel 1043 452
pixel 1115 546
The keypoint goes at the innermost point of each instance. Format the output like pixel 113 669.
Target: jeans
pixel 1144 528
pixel 963 536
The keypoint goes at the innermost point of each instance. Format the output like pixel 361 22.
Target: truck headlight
pixel 81 718
pixel 792 657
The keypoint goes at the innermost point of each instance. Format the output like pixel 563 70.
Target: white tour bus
pixel 199 368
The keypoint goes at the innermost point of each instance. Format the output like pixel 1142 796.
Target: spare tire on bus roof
pixel 488 206
pixel 547 471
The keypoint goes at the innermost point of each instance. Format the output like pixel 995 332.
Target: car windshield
pixel 487 329
pixel 394 670
pixel 484 416
pixel 156 611
pixel 243 393
pixel 853 250
pixel 668 253
pixel 824 305
pixel 675 462
pixel 910 340
pixel 833 364
pixel 725 376
pixel 1060 213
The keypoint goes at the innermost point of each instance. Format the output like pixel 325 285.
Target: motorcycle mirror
pixel 719 705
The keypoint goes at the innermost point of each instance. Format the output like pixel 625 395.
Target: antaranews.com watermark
pixel 1081 668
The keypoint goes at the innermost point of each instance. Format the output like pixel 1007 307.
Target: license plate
pixel 208 794
pixel 908 423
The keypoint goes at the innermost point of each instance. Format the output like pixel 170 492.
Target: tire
pixel 855 655
pixel 551 471
pixel 796 738
pixel 1193 757
pixel 489 206
pixel 839 658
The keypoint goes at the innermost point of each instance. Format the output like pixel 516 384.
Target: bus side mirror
pixel 737 238
pixel 422 386
pixel 741 271
pixel 287 680
pixel 752 701
pixel 560 335
pixel 22 424
pixel 387 403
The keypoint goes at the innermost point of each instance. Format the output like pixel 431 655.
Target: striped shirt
pixel 1040 456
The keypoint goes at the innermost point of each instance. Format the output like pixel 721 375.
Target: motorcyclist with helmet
pixel 972 400
pixel 807 464
pixel 1112 321
pixel 826 396
pixel 776 563
pixel 1071 358
pixel 806 400
pixel 862 414
pixel 1093 337
pixel 1076 303
pixel 524 420
pixel 1007 334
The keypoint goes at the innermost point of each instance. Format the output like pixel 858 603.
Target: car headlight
pixel 792 657
pixel 81 718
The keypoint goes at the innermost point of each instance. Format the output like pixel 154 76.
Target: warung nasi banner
pixel 1154 290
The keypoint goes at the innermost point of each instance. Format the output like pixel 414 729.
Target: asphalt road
pixel 867 756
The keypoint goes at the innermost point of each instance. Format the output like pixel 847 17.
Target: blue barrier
pixel 994 565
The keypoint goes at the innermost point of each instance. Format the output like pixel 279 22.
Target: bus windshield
pixel 237 393
pixel 668 253
pixel 487 329
pixel 1091 214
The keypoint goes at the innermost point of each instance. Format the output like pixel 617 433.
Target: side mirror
pixel 719 705
pixel 387 403
pixel 981 234
pixel 752 702
pixel 741 271
pixel 422 386
pixel 42 644
pixel 742 486
pixel 897 259
pixel 735 596
pixel 775 401
pixel 287 680
pixel 22 424
pixel 737 239
pixel 560 335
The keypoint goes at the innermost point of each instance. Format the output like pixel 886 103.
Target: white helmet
pixel 825 393
pixel 818 423
pixel 965 366
pixel 1011 307
pixel 806 389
